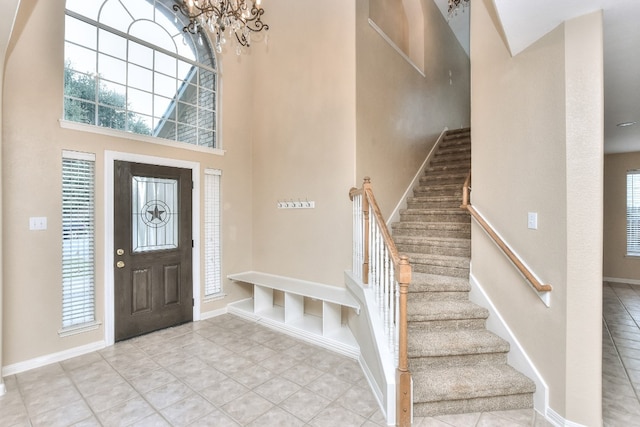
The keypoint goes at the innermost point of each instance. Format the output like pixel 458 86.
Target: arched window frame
pixel 190 115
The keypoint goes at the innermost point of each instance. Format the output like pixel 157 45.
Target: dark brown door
pixel 153 248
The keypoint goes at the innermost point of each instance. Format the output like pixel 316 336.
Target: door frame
pixel 109 297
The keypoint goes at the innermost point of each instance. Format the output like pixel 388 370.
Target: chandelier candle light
pixel 237 17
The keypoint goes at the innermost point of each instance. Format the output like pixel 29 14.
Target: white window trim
pixel 109 158
pixel 83 127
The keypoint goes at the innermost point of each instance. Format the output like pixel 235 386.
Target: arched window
pixel 129 66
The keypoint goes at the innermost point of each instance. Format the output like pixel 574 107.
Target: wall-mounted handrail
pixel 517 262
pixel 377 263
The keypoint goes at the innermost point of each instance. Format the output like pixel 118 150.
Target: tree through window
pixel 129 66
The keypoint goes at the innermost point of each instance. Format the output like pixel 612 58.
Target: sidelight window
pixel 212 247
pixel 78 251
pixel 633 213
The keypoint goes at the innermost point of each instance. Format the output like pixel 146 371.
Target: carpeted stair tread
pixel 442 260
pixel 424 343
pixel 434 245
pixel 425 311
pixel 423 282
pixel 467 382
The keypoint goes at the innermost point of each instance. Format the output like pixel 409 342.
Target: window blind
pixel 633 213
pixel 212 269
pixel 78 253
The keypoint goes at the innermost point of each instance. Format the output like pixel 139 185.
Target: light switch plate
pixel 532 220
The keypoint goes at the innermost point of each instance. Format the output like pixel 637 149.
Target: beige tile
pixel 215 418
pixel 253 376
pixel 224 392
pixel 126 413
pixel 62 416
pixel 335 415
pixel 46 399
pixel 492 420
pixel 187 410
pixel 151 380
pixel 112 397
pixel 301 374
pixel 460 420
pixel 305 404
pixel 359 400
pixel 277 389
pixel 247 407
pixel 167 394
pixel 329 386
pixel 277 417
pixel 521 416
pixel 153 420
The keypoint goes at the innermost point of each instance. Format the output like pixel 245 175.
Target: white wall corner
pixel 517 356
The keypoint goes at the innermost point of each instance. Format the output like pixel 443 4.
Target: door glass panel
pixel 155 214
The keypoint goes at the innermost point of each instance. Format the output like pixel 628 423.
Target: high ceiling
pixel 525 21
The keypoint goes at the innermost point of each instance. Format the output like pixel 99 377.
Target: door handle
pixel 120 264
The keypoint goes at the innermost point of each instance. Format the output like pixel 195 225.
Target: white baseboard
pixel 213 313
pixel 38 362
pixel 517 356
pixel 618 280
pixel 557 420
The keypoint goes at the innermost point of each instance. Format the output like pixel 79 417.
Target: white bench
pixel 326 330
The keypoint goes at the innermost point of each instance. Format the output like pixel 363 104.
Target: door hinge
pixel 193 245
pixel 192 185
pixel 193 302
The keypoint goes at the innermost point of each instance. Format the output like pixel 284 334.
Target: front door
pixel 153 248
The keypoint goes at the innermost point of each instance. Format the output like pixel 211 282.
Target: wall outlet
pixel 38 223
pixel 532 220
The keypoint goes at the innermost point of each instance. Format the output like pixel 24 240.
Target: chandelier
pixel 455 5
pixel 237 18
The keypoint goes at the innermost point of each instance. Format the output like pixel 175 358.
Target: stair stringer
pixel 378 365
pixel 516 357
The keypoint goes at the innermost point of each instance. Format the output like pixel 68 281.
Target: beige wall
pixel 32 146
pixel 616 264
pixel 536 131
pixel 304 139
pixel 399 112
pixel 10 8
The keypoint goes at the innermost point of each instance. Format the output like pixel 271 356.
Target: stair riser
pixel 439 191
pixel 452 204
pixel 438 296
pixel 460 167
pixel 443 271
pixel 449 159
pixel 463 217
pixel 447 325
pixel 442 179
pixel 420 363
pixel 487 404
pixel 448 233
pixel 434 250
pixel 438 204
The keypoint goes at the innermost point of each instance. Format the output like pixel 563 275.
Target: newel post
pixel 403 376
pixel 366 187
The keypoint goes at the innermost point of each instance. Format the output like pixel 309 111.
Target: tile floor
pixel 621 355
pixel 218 372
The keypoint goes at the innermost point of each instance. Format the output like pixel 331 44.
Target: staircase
pixel 457 365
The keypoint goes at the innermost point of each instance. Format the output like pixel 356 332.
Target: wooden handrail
pixel 402 271
pixel 466 204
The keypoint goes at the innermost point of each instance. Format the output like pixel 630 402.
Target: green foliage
pixel 112 104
